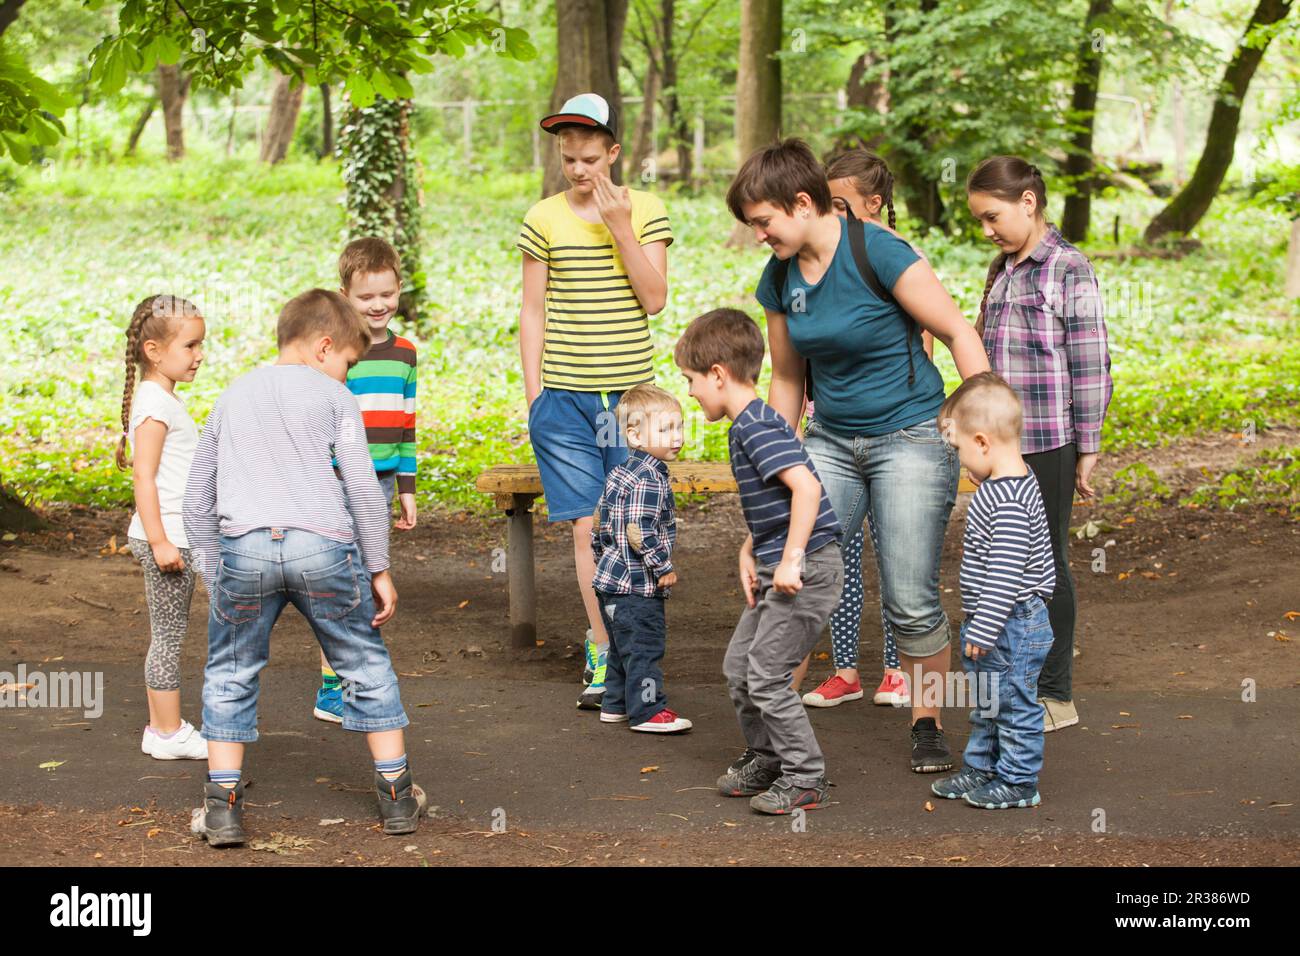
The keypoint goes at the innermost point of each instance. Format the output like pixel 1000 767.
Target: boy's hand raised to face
pixel 614 203
pixel 385 593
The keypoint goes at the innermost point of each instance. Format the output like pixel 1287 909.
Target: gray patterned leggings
pixel 168 595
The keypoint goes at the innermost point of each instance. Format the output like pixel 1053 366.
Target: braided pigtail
pixel 995 267
pixel 893 220
pixel 134 360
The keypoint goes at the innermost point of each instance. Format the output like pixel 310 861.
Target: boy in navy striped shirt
pixel 790 567
pixel 1006 573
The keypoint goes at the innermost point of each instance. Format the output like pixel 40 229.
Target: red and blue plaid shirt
pixel 1044 333
pixel 636 492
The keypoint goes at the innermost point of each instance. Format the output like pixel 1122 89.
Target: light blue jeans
pixel 905 485
pixel 326 580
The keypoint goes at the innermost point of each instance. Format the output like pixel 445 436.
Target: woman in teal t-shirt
pixel 875 442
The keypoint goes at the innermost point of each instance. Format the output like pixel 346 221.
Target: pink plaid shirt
pixel 1044 332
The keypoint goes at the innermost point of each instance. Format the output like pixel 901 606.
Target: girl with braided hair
pixel 1043 330
pixel 164 344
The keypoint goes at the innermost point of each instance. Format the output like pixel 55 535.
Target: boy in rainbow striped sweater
pixel 383 382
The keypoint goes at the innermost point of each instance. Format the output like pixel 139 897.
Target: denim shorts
pixel 905 484
pixel 577 442
pixel 326 580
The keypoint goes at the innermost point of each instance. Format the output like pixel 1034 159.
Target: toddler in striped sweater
pixel 1006 574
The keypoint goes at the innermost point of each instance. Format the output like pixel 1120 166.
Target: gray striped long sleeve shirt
pixel 264 461
pixel 1006 554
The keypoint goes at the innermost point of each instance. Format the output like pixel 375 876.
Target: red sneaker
pixel 892 691
pixel 833 691
pixel 664 722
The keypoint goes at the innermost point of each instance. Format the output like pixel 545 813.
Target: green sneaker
pixel 594 693
pixel 589 659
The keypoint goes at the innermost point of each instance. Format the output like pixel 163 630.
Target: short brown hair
pixel 778 174
pixel 585 132
pixel 319 312
pixel 641 400
pixel 370 254
pixel 984 403
pixel 726 337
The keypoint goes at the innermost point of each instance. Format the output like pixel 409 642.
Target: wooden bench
pixel 516 487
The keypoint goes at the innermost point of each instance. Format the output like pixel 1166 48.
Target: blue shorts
pixel 577 442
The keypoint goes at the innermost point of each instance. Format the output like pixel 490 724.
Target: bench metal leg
pixel 521 572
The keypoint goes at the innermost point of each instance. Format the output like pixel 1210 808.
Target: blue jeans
pixel 905 485
pixel 1006 726
pixel 577 442
pixel 260 573
pixel 634 682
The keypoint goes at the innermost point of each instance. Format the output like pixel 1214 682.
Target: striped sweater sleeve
pixel 199 511
pixel 1010 541
pixel 406 466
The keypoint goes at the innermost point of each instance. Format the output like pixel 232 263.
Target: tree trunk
pixel 141 122
pixel 282 121
pixel 643 144
pixel 326 122
pixel 8 13
pixel 1193 200
pixel 589 36
pixel 677 124
pixel 173 88
pixel 1079 162
pixel 758 85
pixel 920 189
pixel 864 96
pixel 15 515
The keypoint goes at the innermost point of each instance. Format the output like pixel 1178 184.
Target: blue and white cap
pixel 585 109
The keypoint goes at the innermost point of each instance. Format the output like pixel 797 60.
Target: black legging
pixel 1055 473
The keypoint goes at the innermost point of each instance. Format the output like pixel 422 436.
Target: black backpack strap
pixel 779 273
pixel 858 244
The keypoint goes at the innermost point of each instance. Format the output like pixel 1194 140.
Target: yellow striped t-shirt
pixel 597 335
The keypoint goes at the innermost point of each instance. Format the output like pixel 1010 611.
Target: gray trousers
pixel 771 638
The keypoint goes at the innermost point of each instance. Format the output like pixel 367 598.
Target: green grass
pixel 1200 344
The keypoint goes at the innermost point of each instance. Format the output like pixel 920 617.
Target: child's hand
pixel 974 651
pixel 385 593
pixel 613 203
pixel 407 521
pixel 1083 473
pixel 748 572
pixel 788 579
pixel 168 557
pixel 668 580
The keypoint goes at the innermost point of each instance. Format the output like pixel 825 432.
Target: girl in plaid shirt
pixel 1042 326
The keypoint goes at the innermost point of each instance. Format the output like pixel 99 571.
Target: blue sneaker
pixel 958 785
pixel 997 794
pixel 594 693
pixel 329 705
pixel 589 659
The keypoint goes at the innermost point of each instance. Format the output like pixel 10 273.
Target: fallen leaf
pixel 929 807
pixel 954 859
pixel 99 856
pixel 51 764
pixel 1280 636
pixel 1292 615
pixel 153 832
pixel 1125 713
pixel 1123 726
pixel 9 536
pixel 650 769
pixel 283 844
pixel 463 603
pixel 330 823
pixel 1186 717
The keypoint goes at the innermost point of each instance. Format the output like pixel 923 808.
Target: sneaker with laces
pixel 594 693
pixel 784 797
pixel 329 705
pixel 997 794
pixel 930 753
pixel 958 785
pixel 832 692
pixel 892 691
pixel 748 780
pixel 609 717
pixel 185 744
pixel 746 757
pixel 401 802
pixel 222 820
pixel 664 722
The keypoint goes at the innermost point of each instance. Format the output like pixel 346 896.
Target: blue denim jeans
pixel 326 580
pixel 634 682
pixel 1006 726
pixel 905 485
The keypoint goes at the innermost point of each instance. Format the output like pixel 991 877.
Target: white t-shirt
pixel 151 400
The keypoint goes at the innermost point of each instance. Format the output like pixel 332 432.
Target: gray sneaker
pixel 401 802
pixel 223 815
pixel 784 797
pixel 747 779
pixel 958 785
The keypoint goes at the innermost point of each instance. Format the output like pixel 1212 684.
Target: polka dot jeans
pixel 844 621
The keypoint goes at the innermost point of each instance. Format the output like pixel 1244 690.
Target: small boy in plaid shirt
pixel 633 547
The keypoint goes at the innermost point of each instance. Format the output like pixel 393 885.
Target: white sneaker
pixel 185 744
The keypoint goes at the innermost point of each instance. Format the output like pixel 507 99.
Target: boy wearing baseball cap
pixel 595 268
